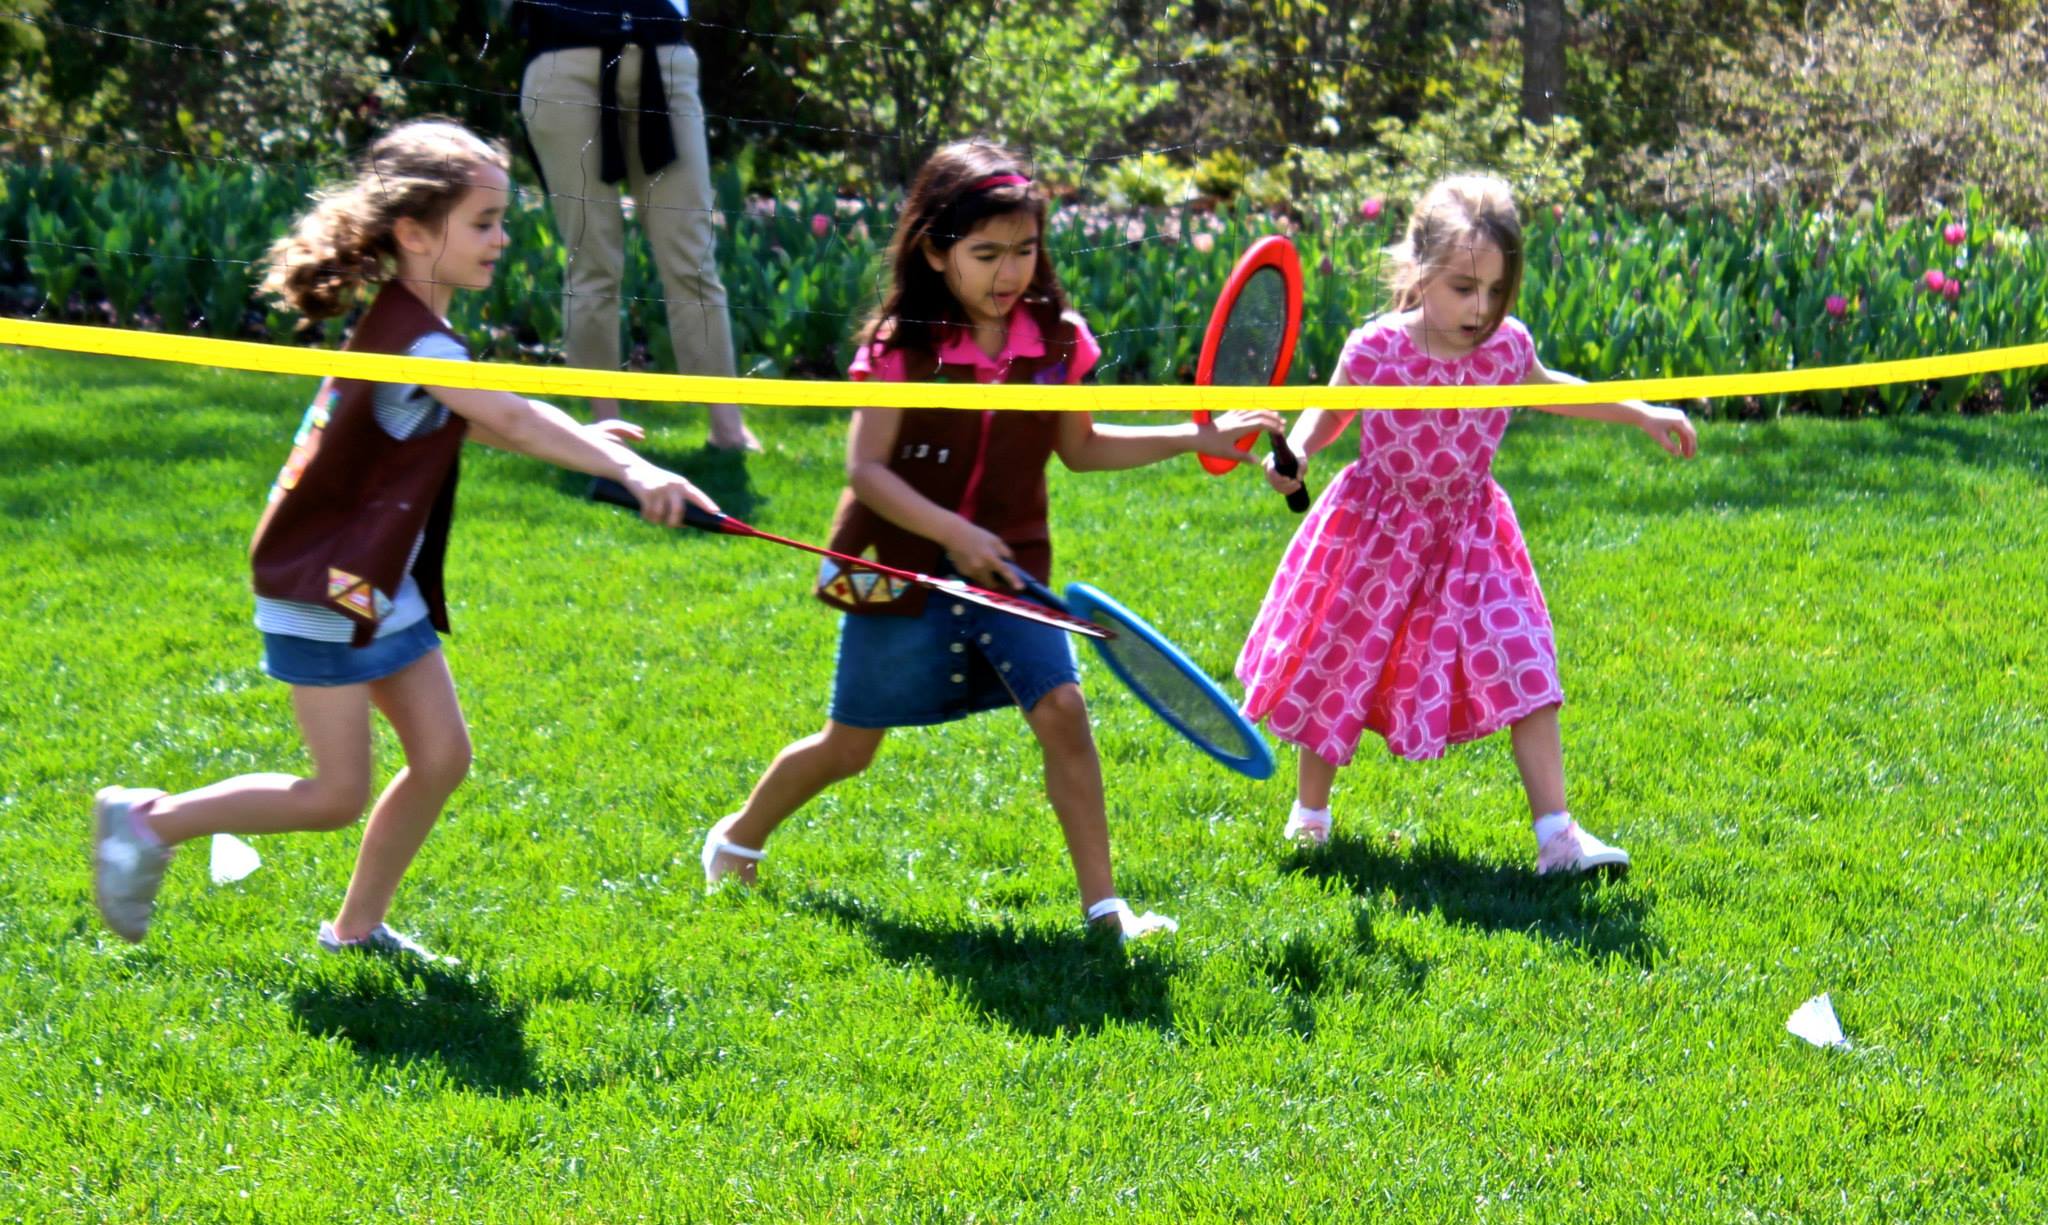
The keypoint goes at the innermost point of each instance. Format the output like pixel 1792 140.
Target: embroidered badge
pixel 351 594
pixel 306 443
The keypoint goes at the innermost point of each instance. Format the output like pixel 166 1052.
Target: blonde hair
pixel 1454 215
pixel 346 240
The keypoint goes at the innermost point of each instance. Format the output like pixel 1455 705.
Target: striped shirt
pixel 404 410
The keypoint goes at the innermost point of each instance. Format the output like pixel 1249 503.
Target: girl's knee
pixel 445 765
pixel 333 803
pixel 1063 706
pixel 849 750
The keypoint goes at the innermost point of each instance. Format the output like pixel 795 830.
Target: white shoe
pixel 716 845
pixel 127 865
pixel 383 941
pixel 1572 849
pixel 1130 925
pixel 1308 826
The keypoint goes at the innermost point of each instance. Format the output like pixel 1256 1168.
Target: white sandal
pixel 716 845
pixel 1130 925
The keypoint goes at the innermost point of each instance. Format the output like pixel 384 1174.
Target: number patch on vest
pixel 925 450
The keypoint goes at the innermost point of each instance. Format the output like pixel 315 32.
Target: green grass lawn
pixel 1807 690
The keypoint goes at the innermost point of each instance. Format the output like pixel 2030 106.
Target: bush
pixel 1908 103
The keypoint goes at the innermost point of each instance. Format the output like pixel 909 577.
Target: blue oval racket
pixel 1164 678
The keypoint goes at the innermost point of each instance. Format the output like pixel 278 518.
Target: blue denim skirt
pixel 303 661
pixel 954 660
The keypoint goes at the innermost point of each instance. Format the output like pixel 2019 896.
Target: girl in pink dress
pixel 1406 604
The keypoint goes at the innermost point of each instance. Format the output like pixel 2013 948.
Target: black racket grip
pixel 1287 464
pixel 1037 590
pixel 603 490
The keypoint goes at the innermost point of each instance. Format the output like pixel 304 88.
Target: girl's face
pixel 989 270
pixel 1463 297
pixel 464 252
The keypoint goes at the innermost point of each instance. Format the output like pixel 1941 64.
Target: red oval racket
pixel 1250 341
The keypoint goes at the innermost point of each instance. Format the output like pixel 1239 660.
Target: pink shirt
pixel 957 348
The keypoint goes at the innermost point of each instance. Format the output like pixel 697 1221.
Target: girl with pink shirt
pixel 1406 604
pixel 972 298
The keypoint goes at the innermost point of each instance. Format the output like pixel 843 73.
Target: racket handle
pixel 1287 464
pixel 602 490
pixel 1037 590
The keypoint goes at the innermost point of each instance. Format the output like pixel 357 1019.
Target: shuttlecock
pixel 233 859
pixel 1815 1021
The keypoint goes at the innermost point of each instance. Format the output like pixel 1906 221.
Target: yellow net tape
pixel 543 381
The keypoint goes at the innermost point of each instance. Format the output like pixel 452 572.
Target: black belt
pixel 657 140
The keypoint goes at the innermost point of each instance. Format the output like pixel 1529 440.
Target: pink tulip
pixel 1372 208
pixel 1935 280
pixel 1557 212
pixel 1837 305
pixel 1203 241
pixel 1953 234
pixel 1952 290
pixel 821 225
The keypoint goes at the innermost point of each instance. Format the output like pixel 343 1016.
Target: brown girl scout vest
pixel 351 499
pixel 989 467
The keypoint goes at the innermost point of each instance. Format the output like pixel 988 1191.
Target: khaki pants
pixel 559 101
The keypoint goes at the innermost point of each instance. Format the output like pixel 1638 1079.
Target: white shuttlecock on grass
pixel 233 859
pixel 1815 1021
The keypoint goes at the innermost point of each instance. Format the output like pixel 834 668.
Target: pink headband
pixel 1000 180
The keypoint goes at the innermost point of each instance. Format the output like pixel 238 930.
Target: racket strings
pixel 1184 701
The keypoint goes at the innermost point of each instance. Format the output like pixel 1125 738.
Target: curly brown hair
pixel 345 241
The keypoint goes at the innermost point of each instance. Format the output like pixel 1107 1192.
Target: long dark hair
pixel 961 186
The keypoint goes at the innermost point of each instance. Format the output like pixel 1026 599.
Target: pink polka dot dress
pixel 1406 604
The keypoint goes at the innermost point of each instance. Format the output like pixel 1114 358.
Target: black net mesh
pixel 1252 332
pixel 1179 698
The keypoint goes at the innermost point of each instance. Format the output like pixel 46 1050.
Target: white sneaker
pixel 384 942
pixel 1130 925
pixel 1308 826
pixel 128 865
pixel 716 845
pixel 1572 849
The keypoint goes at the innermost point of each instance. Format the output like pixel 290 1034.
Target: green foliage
pixel 1223 174
pixel 293 80
pixel 1482 131
pixel 1908 102
pixel 904 76
pixel 1609 292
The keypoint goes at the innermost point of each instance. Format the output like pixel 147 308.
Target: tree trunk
pixel 1542 60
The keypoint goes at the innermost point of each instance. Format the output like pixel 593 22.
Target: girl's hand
pixel 1672 429
pixel 1286 484
pixel 662 494
pixel 616 430
pixel 1218 436
pixel 982 557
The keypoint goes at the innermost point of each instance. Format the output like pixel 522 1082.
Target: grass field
pixel 1807 673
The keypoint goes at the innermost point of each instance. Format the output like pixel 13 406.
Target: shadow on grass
pixel 1600 919
pixel 721 474
pixel 1038 983
pixel 431 1015
pixel 1301 971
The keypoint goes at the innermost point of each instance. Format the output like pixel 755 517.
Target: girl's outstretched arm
pixel 1671 429
pixel 1313 430
pixel 1085 446
pixel 531 427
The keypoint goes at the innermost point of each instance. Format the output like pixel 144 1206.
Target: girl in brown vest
pixel 347 557
pixel 973 299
